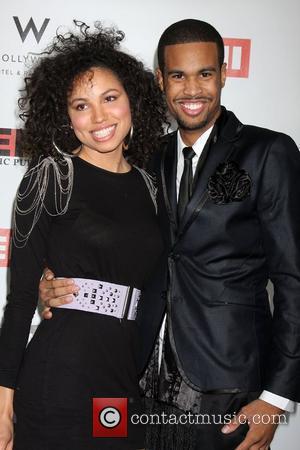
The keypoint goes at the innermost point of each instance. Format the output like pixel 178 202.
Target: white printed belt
pixel 101 297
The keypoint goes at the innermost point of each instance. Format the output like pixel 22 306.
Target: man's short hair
pixel 188 31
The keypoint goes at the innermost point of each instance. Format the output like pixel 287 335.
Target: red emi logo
pixel 237 56
pixel 110 417
pixel 8 139
pixel 4 246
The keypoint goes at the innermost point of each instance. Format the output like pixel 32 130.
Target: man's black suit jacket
pixel 219 260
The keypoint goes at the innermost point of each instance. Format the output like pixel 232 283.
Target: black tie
pixel 186 182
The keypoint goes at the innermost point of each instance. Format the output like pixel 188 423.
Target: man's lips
pixel 192 107
pixel 104 133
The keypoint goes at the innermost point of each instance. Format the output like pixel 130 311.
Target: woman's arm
pixel 27 262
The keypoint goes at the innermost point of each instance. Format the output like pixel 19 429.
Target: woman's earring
pixel 65 130
pixel 128 138
pixel 65 154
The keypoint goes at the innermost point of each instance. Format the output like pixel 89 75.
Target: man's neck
pixel 190 137
pixel 198 144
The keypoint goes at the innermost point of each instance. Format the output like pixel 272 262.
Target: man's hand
pixel 55 292
pixel 262 418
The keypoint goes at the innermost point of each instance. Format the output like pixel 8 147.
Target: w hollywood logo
pixel 31 26
pixel 9 142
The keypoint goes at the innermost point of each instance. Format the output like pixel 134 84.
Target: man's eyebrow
pixel 170 72
pixel 203 69
pixel 208 69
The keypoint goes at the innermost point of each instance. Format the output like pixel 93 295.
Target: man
pixel 228 198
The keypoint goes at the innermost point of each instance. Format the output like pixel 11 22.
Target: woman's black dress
pixel 109 233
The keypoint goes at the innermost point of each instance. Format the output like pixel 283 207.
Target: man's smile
pixel 192 107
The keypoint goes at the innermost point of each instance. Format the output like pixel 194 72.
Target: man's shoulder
pixel 266 137
pixel 255 130
pixel 256 141
pixel 167 139
pixel 240 129
pixel 263 144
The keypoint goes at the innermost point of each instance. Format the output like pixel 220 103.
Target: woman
pixel 93 114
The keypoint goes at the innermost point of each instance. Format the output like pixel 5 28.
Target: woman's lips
pixel 104 133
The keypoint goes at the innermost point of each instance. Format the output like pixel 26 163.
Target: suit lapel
pixel 220 148
pixel 168 177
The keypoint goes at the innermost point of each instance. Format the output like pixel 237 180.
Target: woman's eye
pixel 110 98
pixel 81 107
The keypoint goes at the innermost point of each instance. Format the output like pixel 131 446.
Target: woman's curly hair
pixel 44 107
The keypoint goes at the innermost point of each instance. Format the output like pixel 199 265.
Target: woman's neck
pixel 111 161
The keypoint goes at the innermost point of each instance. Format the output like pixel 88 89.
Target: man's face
pixel 192 82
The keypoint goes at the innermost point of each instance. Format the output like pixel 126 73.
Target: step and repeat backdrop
pixel 262 52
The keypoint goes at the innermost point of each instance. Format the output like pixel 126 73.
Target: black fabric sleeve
pixel 279 214
pixel 27 264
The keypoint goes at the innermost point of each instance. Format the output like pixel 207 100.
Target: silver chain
pixel 150 183
pixel 37 186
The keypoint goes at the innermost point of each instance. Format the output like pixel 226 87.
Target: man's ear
pixel 223 74
pixel 160 79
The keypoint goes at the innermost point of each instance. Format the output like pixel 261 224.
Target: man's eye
pixel 177 76
pixel 206 74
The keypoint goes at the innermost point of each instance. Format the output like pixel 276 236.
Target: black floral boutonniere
pixel 229 184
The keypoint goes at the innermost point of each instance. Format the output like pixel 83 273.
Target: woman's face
pixel 99 111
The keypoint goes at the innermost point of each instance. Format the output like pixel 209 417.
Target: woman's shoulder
pixel 46 167
pixel 45 190
pixel 150 181
pixel 47 184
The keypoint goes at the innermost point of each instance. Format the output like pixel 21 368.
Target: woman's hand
pixel 6 418
pixel 6 433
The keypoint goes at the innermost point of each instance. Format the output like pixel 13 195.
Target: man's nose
pixel 192 86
